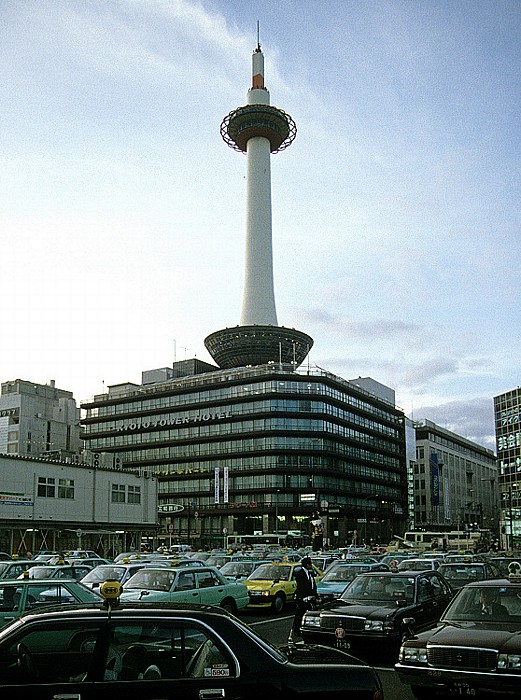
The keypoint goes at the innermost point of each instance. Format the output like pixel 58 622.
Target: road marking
pixel 265 622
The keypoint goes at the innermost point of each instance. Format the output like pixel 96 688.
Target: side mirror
pixel 409 621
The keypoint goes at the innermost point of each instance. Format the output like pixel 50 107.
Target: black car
pixel 383 608
pixel 165 651
pixel 458 575
pixel 475 650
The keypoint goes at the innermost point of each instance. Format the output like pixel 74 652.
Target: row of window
pixel 251 408
pixel 120 493
pixel 206 397
pixel 249 444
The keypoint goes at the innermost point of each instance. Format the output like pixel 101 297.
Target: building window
pixel 65 488
pixel 118 493
pixel 134 494
pixel 46 487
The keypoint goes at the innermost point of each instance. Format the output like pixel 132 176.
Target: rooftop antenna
pixel 258 36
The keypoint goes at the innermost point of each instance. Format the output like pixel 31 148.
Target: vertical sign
pixel 216 494
pixel 225 485
pixel 435 480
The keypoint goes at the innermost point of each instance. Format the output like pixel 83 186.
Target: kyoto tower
pixel 258 129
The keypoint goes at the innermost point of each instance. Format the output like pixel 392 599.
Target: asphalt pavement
pixel 276 630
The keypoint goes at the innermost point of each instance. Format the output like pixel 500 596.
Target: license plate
pixel 342 644
pixel 462 689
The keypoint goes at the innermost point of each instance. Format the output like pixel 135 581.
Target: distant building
pixel 46 504
pixel 38 419
pixel 507 408
pixel 455 481
pixel 259 449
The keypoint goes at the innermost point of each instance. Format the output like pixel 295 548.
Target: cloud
pixel 370 330
pixel 430 370
pixel 472 419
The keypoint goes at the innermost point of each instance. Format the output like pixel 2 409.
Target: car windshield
pixel 271 572
pixel 105 573
pixel 152 579
pixel 481 604
pixel 380 588
pixel 41 572
pixel 236 568
pixel 462 574
pixel 344 573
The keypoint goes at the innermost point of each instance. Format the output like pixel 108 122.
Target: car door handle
pixel 210 693
pixel 8 619
pixel 67 696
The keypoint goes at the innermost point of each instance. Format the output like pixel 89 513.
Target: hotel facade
pixel 263 449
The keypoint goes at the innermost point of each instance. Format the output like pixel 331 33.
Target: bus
pixel 453 539
pixel 268 540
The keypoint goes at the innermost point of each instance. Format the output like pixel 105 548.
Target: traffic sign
pixel 170 508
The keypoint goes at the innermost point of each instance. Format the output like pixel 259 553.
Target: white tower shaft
pixel 258 306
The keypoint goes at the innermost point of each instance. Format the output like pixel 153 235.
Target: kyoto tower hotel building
pixel 256 445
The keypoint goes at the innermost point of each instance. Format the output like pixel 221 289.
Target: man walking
pixel 305 596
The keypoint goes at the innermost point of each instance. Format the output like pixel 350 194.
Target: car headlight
pixel 413 655
pixel 311 621
pixel 510 661
pixel 266 593
pixel 374 626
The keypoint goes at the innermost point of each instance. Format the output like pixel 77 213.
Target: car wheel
pixel 229 606
pixel 279 603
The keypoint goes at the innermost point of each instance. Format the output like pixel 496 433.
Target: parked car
pixel 205 585
pixel 419 564
pixel 340 575
pixel 75 571
pixel 15 567
pixel 458 575
pixel 20 595
pixel 469 652
pixel 167 651
pixel 239 570
pixel 504 562
pixel 116 572
pixel 273 585
pixel 383 608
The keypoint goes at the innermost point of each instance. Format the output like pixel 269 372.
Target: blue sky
pixel 396 210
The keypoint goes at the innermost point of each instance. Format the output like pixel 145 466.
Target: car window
pixel 185 581
pixel 207 579
pixel 54 653
pixel 9 598
pixel 439 587
pixel 425 589
pixel 155 649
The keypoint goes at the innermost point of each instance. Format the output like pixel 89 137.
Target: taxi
pixel 274 585
pixel 475 649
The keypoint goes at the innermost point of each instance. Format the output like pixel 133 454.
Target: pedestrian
pixel 305 596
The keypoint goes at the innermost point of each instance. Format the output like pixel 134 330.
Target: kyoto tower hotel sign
pixel 258 129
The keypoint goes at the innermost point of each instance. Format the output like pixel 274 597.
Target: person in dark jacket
pixel 305 596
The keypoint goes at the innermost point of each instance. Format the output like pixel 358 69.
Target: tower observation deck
pixel 258 129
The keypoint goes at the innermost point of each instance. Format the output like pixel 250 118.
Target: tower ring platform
pixel 272 123
pixel 242 346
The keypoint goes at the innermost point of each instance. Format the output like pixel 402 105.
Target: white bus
pixel 454 539
pixel 260 541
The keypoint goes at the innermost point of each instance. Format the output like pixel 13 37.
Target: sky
pixel 396 211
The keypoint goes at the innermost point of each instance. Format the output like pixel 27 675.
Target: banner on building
pixel 435 480
pixel 217 487
pixel 225 485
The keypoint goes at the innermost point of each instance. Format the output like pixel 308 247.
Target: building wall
pixel 53 492
pixel 507 409
pixel 37 419
pixel 455 481
pixel 284 444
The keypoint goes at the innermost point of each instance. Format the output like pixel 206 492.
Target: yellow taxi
pixel 273 585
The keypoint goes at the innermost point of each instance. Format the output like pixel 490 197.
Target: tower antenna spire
pixel 258 36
